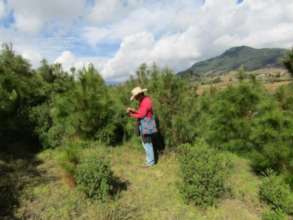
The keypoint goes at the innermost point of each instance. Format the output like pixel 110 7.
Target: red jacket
pixel 145 109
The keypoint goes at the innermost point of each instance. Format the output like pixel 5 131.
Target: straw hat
pixel 136 91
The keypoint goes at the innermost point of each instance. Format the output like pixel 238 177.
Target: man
pixel 146 122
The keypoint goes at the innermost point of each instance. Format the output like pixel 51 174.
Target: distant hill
pixel 234 58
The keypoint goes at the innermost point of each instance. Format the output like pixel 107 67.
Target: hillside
pixel 272 78
pixel 234 58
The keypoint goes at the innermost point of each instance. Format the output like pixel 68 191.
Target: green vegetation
pixel 150 194
pixel 69 158
pixel 277 194
pixel 217 146
pixel 73 113
pixel 94 177
pixel 288 61
pixel 204 171
pixel 274 215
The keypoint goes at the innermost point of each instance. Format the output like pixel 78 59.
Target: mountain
pixel 234 58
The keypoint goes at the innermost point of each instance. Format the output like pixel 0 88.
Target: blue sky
pixel 118 35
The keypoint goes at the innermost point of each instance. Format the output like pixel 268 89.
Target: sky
pixel 116 36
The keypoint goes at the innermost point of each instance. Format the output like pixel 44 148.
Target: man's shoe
pixel 146 166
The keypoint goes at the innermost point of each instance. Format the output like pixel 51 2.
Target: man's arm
pixel 143 109
pixel 140 113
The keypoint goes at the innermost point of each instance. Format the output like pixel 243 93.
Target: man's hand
pixel 130 110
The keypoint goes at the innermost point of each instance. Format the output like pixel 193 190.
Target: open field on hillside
pixel 272 78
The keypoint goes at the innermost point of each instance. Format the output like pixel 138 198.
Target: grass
pixel 154 190
pixel 151 193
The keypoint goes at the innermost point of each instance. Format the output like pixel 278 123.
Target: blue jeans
pixel 149 150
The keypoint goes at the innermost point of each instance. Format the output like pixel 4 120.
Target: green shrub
pixel 228 116
pixel 245 119
pixel 277 193
pixel 274 215
pixel 272 138
pixel 20 89
pixel 284 96
pixel 86 110
pixel 94 177
pixel 289 178
pixel 288 62
pixel 69 158
pixel 204 171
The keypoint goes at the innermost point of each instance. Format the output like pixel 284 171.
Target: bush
pixel 288 61
pixel 20 89
pixel 274 215
pixel 228 115
pixel 245 119
pixel 85 110
pixel 284 96
pixel 289 178
pixel 272 138
pixel 204 171
pixel 277 193
pixel 95 178
pixel 69 158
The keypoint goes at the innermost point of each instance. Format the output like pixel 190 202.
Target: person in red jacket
pixel 146 122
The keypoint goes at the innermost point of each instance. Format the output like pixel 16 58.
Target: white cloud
pixel 134 50
pixel 2 9
pixel 174 51
pixel 109 11
pixel 69 59
pixel 159 17
pixel 32 55
pixel 33 15
pixel 23 45
pixel 95 35
pixel 178 49
pixel 34 48
pixel 26 23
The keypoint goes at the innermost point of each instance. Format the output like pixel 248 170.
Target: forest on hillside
pixel 72 112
